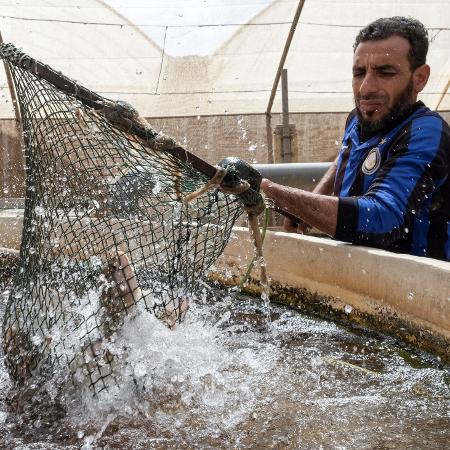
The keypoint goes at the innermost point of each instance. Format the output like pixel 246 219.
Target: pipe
pixel 298 175
pixel 270 157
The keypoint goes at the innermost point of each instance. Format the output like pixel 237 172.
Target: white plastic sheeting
pixel 212 57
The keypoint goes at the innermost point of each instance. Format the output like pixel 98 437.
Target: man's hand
pixel 299 226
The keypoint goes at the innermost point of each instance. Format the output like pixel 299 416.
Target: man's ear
pixel 420 77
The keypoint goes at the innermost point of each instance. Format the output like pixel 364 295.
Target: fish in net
pixel 107 226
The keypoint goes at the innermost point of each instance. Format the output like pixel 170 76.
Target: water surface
pixel 227 379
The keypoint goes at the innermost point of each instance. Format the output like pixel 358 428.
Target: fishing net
pixel 107 229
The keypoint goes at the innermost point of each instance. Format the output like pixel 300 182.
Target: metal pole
pixel 8 179
pixel 444 93
pixel 12 90
pixel 286 141
pixel 270 156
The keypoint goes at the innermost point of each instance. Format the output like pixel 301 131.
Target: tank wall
pixel 403 295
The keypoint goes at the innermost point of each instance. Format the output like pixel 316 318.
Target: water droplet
pixel 39 210
pixel 36 340
pixel 348 309
pixel 140 370
pixel 157 188
pixel 410 296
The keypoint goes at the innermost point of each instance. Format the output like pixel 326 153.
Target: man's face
pixel 383 83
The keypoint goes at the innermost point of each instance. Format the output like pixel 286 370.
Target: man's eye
pixel 387 74
pixel 358 74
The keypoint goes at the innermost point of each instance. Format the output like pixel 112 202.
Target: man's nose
pixel 369 85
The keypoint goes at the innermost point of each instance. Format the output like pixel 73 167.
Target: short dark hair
pixel 407 27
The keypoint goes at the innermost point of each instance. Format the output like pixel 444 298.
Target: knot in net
pixel 106 229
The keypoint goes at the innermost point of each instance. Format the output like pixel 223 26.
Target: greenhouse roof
pixel 212 57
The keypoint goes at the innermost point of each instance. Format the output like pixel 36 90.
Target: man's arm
pixel 325 187
pixel 319 211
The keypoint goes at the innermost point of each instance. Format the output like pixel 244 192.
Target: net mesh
pixel 105 230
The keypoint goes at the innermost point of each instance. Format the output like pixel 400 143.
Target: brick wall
pixel 213 138
pixel 210 137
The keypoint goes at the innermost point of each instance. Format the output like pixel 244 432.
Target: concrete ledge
pixel 403 295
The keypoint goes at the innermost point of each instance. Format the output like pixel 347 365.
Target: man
pixel 389 186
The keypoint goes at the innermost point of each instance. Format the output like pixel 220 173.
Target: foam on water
pixel 194 373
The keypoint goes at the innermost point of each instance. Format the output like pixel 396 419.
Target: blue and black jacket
pixel 394 188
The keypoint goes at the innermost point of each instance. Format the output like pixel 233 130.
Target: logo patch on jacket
pixel 372 161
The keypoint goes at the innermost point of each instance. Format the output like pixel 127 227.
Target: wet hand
pixel 267 186
pixel 299 226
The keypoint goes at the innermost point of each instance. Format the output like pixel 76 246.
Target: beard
pixel 399 109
